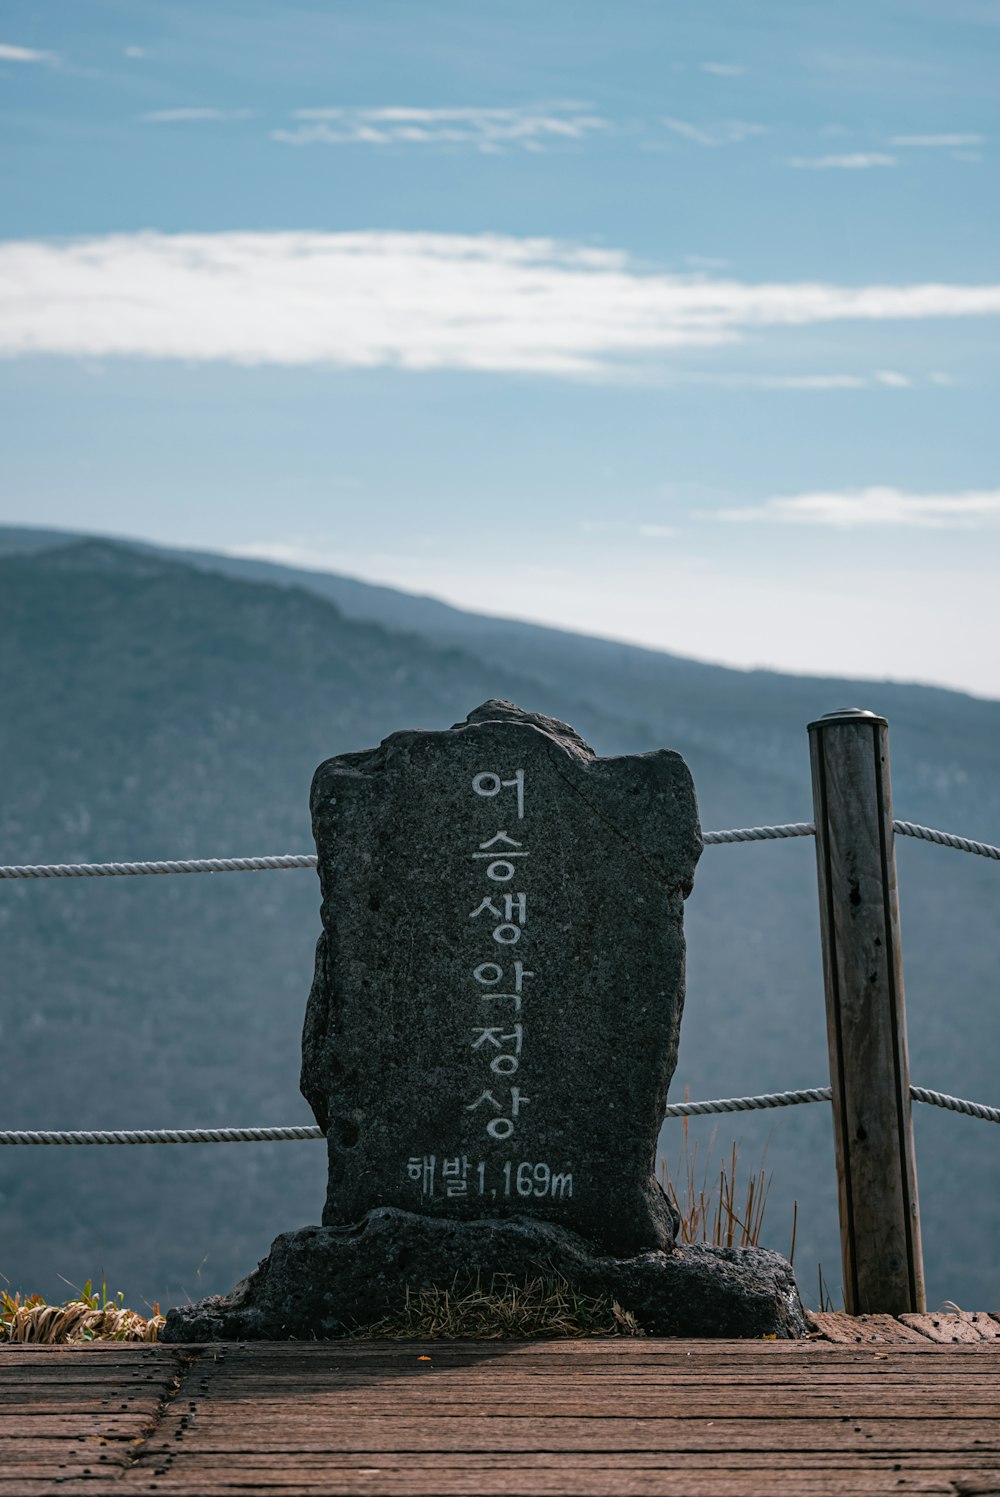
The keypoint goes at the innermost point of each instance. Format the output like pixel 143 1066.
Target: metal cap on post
pixel 866 1017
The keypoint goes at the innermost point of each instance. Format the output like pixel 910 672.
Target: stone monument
pixel 491 1031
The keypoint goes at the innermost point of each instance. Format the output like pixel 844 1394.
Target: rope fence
pixel 308 860
pixel 290 1135
pixel 857 881
pixel 189 865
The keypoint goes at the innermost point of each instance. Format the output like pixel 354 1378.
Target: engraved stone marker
pixel 494 1018
pixel 491 1030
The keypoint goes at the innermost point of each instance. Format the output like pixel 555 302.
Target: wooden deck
pixel 881 1408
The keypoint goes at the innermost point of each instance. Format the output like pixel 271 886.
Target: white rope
pixel 286 1135
pixel 191 865
pixel 308 860
pixel 956 1104
pixel 748 1104
pixel 760 833
pixel 166 1136
pixel 807 829
pixel 946 839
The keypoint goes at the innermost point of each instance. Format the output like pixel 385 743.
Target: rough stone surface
pixel 324 1282
pixel 494 1018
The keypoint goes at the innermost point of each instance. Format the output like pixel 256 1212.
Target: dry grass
pixel 506 1309
pixel 90 1317
pixel 706 1200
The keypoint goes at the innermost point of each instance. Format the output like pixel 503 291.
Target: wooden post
pixel 865 1014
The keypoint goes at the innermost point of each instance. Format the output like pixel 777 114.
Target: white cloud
pixel 182 116
pixel 853 508
pixel 136 52
pixel 9 53
pixel 937 140
pixel 724 69
pixel 893 379
pixel 724 133
pixel 488 130
pixel 407 300
pixel 853 162
pixel 890 378
pixel 731 381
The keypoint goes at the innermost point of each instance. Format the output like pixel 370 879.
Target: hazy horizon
pixel 381 582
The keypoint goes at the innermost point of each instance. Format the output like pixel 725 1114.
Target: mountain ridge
pixel 423 613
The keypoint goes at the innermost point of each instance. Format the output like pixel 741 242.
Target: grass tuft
pixel 505 1309
pixel 92 1316
pixel 706 1201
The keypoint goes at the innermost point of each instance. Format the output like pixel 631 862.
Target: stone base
pixel 323 1282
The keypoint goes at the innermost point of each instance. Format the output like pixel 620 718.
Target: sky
pixel 661 321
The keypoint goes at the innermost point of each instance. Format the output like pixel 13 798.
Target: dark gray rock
pixel 494 1018
pixel 324 1282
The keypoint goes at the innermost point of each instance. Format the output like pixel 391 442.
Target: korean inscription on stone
pixel 494 1017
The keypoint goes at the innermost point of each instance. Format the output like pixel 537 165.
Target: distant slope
pixel 154 708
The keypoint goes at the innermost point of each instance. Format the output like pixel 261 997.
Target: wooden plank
pixel 83 1400
pixel 852 1329
pixel 901 1402
pixel 486 1432
pixel 946 1329
pixel 664 1354
pixel 277 1469
pixel 942 1327
pixel 872 1362
pixel 875 1372
pixel 734 1357
pixel 585 1460
pixel 611 1483
pixel 87 1353
pixel 71 1426
pixel 665 1358
pixel 60 1452
pixel 674 1478
pixel 870 1379
pixel 616 1482
pixel 866 1018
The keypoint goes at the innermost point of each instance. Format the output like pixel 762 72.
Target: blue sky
pixel 657 321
